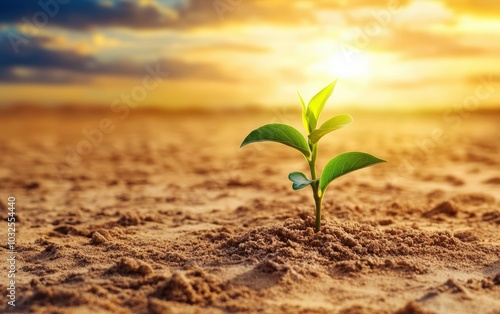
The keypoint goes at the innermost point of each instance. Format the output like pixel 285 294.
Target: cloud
pixel 231 48
pixel 141 15
pixel 202 13
pixel 197 13
pixel 490 77
pixel 354 4
pixel 489 8
pixel 36 76
pixel 416 44
pixel 84 15
pixel 419 82
pixel 31 63
pixel 89 14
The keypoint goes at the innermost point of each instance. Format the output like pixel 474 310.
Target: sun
pixel 355 66
pixel 344 65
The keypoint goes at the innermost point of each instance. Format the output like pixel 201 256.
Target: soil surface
pixel 164 213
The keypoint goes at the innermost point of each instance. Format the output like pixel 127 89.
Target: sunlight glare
pixel 354 66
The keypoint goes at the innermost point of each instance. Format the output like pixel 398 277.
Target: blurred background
pixel 136 89
pixel 388 54
pixel 122 120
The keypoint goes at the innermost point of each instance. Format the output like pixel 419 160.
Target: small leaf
pixel 299 180
pixel 305 121
pixel 308 118
pixel 317 103
pixel 280 133
pixel 312 120
pixel 345 163
pixel 331 125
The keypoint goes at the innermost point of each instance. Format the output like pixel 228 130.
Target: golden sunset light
pixel 253 52
pixel 250 156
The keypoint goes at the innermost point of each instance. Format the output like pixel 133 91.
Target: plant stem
pixel 315 186
pixel 317 202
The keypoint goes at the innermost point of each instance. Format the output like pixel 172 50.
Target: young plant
pixel 338 166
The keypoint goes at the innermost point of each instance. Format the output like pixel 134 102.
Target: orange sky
pixel 387 54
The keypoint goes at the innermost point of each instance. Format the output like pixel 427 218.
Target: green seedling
pixel 335 168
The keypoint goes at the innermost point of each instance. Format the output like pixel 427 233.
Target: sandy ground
pixel 168 215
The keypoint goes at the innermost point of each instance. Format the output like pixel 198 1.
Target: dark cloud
pixel 37 76
pixel 36 60
pixel 85 14
pixel 203 13
pixel 88 14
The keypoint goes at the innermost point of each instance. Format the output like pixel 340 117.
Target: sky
pixel 235 53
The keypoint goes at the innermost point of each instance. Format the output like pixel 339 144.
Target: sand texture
pixel 168 215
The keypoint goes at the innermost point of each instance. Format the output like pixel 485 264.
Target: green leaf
pixel 308 118
pixel 305 121
pixel 312 120
pixel 299 180
pixel 317 103
pixel 345 163
pixel 280 133
pixel 333 124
